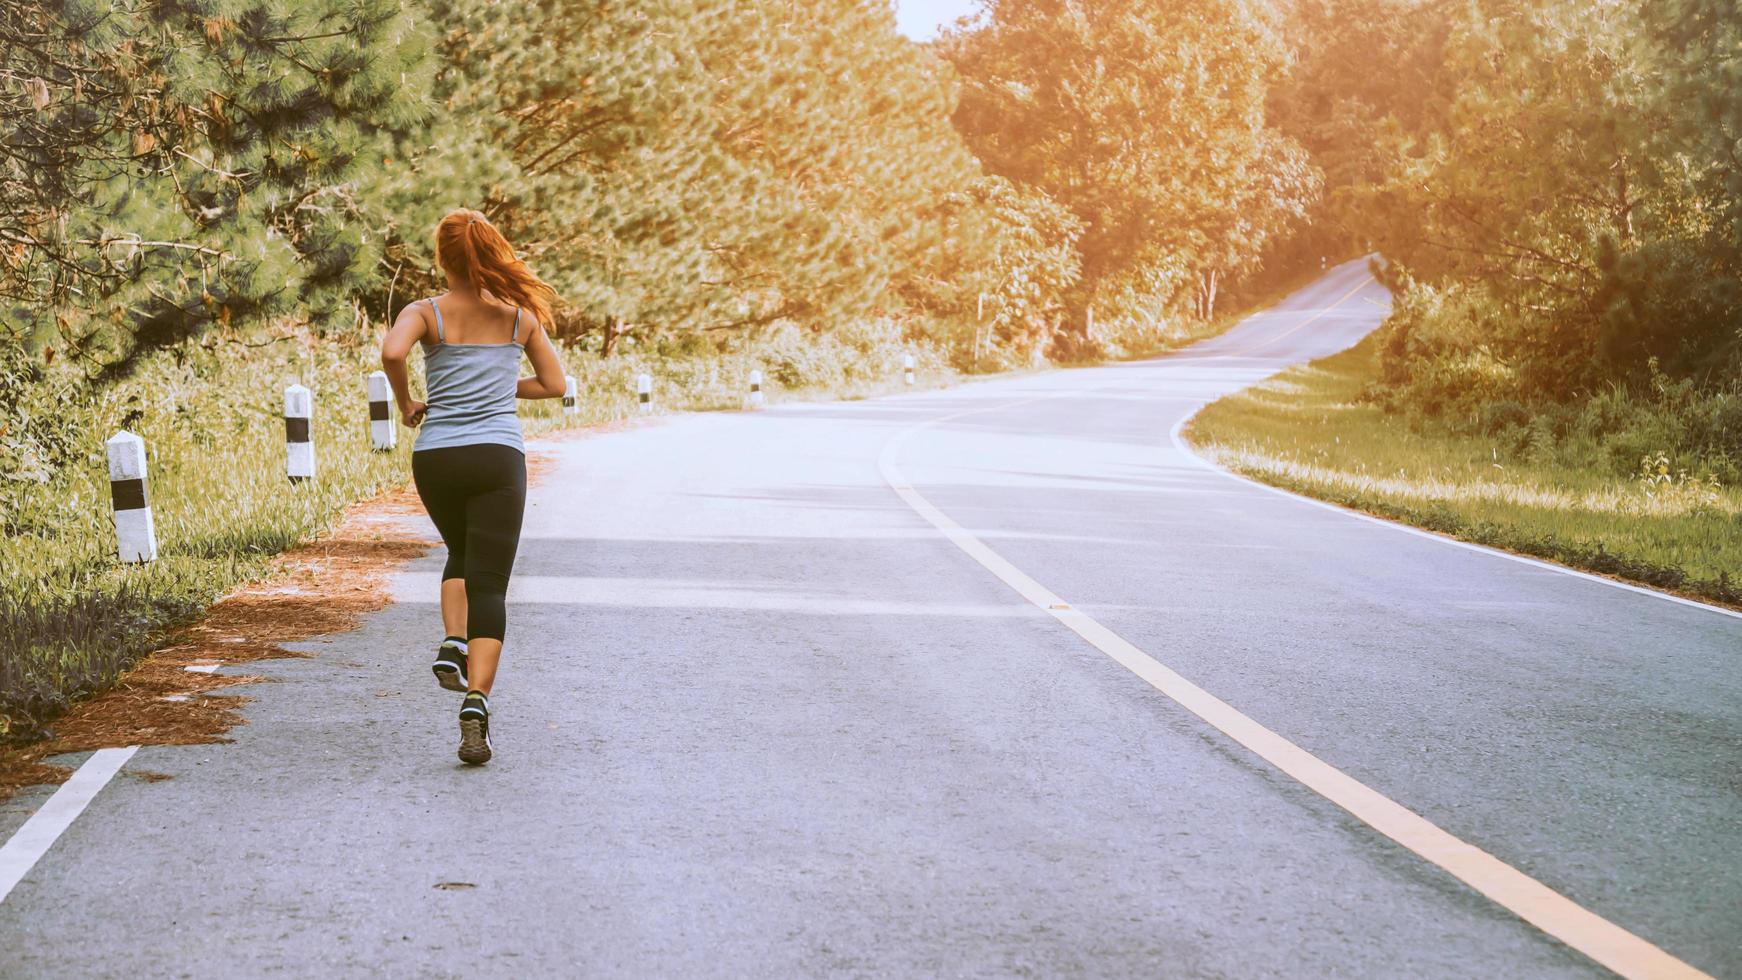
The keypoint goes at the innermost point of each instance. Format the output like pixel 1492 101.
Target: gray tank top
pixel 471 391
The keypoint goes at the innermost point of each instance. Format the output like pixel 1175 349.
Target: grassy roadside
pixel 1311 430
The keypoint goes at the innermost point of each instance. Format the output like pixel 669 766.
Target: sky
pixel 919 19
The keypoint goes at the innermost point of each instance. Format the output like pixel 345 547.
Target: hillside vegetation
pixel 202 202
pixel 1556 188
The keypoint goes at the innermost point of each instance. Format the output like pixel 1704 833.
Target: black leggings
pixel 476 495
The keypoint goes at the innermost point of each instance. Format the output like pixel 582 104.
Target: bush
pixel 1452 361
pixel 1502 415
pixel 37 434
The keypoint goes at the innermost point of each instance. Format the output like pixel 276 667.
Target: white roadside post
pixel 135 534
pixel 755 389
pixel 298 433
pixel 907 367
pixel 569 406
pixel 381 431
pixel 644 392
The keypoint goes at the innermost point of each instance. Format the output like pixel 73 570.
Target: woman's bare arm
pixel 395 349
pixel 547 379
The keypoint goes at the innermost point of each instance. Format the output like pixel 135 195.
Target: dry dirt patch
pixel 312 590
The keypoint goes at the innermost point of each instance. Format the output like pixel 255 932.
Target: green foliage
pixel 267 169
pixel 1148 122
pixel 1569 180
pixel 1555 183
pixel 1005 287
pixel 685 166
pixel 175 167
pixel 1440 368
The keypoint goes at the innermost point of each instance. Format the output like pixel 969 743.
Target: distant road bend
pixel 999 680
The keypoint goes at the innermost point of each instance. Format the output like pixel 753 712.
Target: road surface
pixel 761 716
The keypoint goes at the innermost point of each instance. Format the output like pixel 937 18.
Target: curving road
pixel 929 685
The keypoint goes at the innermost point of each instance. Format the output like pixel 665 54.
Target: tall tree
pixel 174 166
pixel 1364 70
pixel 710 166
pixel 1007 263
pixel 1146 120
pixel 1568 176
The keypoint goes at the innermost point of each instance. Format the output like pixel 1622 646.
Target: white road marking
pixel 763 595
pixel 32 841
pixel 1560 917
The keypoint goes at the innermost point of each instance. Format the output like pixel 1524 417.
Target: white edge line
pixel 1556 915
pixel 31 841
pixel 1177 437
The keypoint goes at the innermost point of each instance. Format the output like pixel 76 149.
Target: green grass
pixel 1312 430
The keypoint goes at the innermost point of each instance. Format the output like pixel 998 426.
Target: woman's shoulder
pixel 422 309
pixel 422 314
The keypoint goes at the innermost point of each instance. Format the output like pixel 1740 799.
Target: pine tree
pixel 206 177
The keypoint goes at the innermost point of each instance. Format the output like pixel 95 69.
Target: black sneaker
pixel 450 664
pixel 475 729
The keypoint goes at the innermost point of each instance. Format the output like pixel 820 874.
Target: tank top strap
pixel 515 337
pixel 441 338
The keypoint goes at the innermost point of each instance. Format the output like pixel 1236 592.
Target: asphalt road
pixel 760 717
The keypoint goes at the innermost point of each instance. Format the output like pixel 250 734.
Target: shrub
pixel 1502 415
pixel 1451 360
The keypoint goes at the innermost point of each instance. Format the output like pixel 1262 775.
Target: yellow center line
pixel 1560 917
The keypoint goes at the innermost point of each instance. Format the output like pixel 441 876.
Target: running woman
pixel 469 462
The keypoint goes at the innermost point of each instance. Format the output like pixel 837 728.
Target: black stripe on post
pixel 377 413
pixel 645 396
pixel 296 430
pixel 128 494
pixel 568 403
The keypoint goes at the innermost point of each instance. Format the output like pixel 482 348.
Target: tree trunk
pixel 1209 282
pixel 613 330
pixel 979 321
pixel 1623 211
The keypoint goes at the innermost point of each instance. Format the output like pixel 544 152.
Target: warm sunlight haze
pixel 920 19
pixel 871 488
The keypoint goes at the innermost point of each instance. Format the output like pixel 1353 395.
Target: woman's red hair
pixel 470 248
